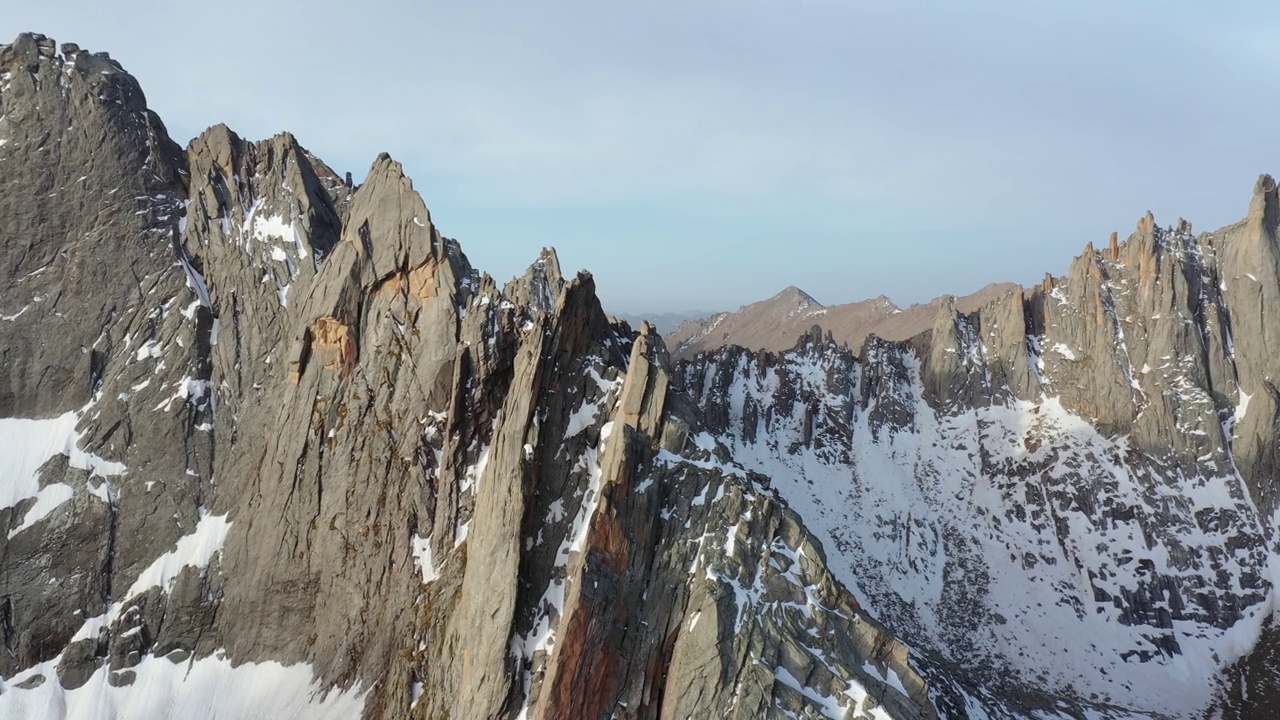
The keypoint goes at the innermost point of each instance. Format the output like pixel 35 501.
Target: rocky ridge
pixel 775 323
pixel 1066 496
pixel 270 445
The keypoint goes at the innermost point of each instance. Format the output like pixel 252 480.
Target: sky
pixel 704 154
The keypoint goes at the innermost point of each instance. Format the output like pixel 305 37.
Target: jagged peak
pixel 29 43
pixel 1263 209
pixel 46 46
pixel 227 147
pixel 386 177
pixel 574 297
pixel 550 261
pixel 39 54
pixel 385 167
pixel 542 282
pixel 218 132
pixel 30 37
pixel 1264 184
pixel 545 268
pixel 815 336
pixel 1150 238
pixel 220 144
pixel 285 140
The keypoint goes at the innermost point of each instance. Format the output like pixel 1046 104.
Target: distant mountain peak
pixel 794 295
pixel 776 323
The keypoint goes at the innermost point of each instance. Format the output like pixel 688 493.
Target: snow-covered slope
pixel 1033 554
pixel 1051 497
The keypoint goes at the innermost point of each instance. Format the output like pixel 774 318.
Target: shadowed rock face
pixel 258 422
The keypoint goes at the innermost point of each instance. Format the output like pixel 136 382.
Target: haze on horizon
pixel 708 154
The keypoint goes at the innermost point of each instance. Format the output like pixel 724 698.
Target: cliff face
pixel 1065 496
pixel 270 447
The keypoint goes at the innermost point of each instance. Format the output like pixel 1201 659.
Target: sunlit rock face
pixel 270 446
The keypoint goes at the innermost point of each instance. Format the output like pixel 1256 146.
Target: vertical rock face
pixel 266 431
pixel 88 171
pixel 95 345
pixel 1086 468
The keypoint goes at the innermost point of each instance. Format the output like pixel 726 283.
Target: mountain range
pixel 775 323
pixel 271 448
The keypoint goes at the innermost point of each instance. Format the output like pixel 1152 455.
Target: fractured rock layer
pixel 277 422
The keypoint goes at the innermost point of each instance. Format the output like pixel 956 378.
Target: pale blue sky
pixel 705 154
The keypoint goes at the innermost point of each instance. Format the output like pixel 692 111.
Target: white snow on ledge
pixel 26 445
pixel 848 702
pixel 47 500
pixel 194 550
pixel 209 688
pixel 422 558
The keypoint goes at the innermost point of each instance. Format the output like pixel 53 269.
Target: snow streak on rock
pixel 988 531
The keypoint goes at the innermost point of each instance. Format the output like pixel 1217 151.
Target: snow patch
pixel 47 500
pixel 832 706
pixel 26 445
pixel 422 558
pixel 210 688
pixel 583 418
pixel 149 349
pixel 194 550
pixel 1064 351
pixel 15 316
pixel 901 506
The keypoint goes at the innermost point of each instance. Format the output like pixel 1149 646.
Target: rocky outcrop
pixel 288 444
